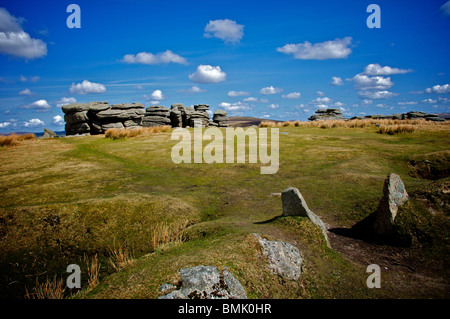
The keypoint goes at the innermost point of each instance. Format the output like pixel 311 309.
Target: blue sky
pixel 271 59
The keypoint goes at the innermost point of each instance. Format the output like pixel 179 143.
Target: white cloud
pixel 273 106
pixel 270 90
pixel 157 95
pixel 366 102
pixel 335 80
pixel 65 101
pixel 25 92
pixel 264 100
pixel 320 93
pixel 226 30
pixel 15 41
pixel 208 74
pixel 29 79
pixel 38 106
pixel 238 106
pixel 292 95
pixel 407 103
pixel 150 58
pixel 376 69
pixel 4 124
pixel 446 8
pixel 87 87
pixel 439 89
pixel 34 123
pixel 321 100
pixel 238 93
pixel 339 104
pixel 429 101
pixel 251 99
pixel 374 95
pixel 58 120
pixel 335 49
pixel 364 82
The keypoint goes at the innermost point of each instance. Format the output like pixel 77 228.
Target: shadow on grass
pixel 268 221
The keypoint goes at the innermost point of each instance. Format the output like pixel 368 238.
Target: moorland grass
pixel 66 198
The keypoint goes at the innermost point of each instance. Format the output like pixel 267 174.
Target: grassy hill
pixel 131 218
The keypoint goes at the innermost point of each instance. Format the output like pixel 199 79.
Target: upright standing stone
pixel 295 205
pixel 394 196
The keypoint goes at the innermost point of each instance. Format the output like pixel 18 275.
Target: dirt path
pixel 402 268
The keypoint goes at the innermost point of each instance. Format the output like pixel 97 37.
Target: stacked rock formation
pixel 413 115
pixel 220 118
pixel 156 115
pixel 98 117
pixel 327 114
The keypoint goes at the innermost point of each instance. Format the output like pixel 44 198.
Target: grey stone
pixel 205 282
pixel 107 126
pixel 284 259
pixel 295 205
pixel 75 107
pixel 120 114
pixel 78 128
pixel 49 133
pixel 78 117
pixel 98 106
pixel 394 196
pixel 133 122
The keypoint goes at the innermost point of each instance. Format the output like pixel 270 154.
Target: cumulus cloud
pixel 208 74
pixel 273 106
pixel 374 95
pixel 65 101
pixel 364 82
pixel 238 93
pixel 192 90
pixel 238 106
pixel 226 30
pixel 292 95
pixel 150 58
pixel 25 92
pixel 58 120
pixel 251 99
pixel 407 103
pixel 14 41
pixel 446 8
pixel 335 49
pixel 320 93
pixel 439 89
pixel 335 80
pixel 34 123
pixel 87 87
pixel 376 69
pixel 270 90
pixel 157 95
pixel 38 106
pixel 4 124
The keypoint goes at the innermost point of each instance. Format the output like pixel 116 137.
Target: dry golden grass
pixel 120 257
pixel 93 269
pixel 163 233
pixel 116 134
pixel 386 126
pixel 14 139
pixel 50 289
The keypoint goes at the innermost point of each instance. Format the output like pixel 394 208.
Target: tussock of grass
pixel 50 289
pixel 397 129
pixel 116 134
pixel 14 139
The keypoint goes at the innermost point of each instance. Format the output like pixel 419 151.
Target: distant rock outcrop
pixel 205 282
pixel 413 115
pixel 48 133
pixel 98 117
pixel 295 205
pixel 327 114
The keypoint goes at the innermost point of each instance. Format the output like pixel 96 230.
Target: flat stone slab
pixel 284 258
pixel 205 282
